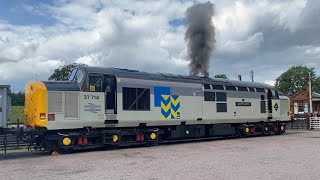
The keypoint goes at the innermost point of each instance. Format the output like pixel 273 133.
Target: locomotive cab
pixel 278 106
pixel 87 99
pixel 97 82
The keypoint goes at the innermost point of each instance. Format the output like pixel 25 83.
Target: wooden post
pixel 310 94
pixel 18 135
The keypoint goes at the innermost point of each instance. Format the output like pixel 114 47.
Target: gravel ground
pixel 294 155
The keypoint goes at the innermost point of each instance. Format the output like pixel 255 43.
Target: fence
pixel 299 122
pixel 11 140
pixel 314 122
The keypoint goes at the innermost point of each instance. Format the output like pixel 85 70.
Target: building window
pixel 303 107
pixel 209 96
pixel 136 99
pixel 221 96
pixel 222 107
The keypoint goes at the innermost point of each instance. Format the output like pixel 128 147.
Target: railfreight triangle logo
pixel 170 104
pixel 92 108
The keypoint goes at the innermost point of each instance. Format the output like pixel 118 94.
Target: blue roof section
pixel 134 74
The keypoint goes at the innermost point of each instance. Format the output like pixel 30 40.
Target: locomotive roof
pixel 128 73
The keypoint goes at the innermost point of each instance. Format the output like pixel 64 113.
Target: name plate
pixel 243 103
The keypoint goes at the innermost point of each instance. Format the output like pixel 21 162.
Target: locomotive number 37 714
pixel 90 97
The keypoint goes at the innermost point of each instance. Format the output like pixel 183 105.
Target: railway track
pixel 14 144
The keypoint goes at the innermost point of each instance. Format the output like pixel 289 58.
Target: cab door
pixel 109 86
pixel 269 96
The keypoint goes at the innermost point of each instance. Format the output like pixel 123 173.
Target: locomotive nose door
pixel 109 84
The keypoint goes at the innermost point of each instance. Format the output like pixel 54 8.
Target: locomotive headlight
pixel 115 138
pixel 266 128
pixel 153 136
pixel 282 128
pixel 42 116
pixel 66 141
pixel 247 130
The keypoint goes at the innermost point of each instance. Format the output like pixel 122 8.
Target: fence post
pixel 18 135
pixel 5 141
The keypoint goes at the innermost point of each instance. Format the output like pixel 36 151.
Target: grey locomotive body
pixel 118 106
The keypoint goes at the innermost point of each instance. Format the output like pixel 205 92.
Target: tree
pixel 17 99
pixel 317 85
pixel 221 76
pixel 62 72
pixel 295 79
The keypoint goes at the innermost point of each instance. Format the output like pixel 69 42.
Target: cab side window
pixel 275 94
pixel 95 83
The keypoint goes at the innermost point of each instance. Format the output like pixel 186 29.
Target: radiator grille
pixel 71 105
pixel 55 101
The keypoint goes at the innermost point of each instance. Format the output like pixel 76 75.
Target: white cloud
pixel 313 51
pixel 264 36
pixel 250 45
pixel 270 82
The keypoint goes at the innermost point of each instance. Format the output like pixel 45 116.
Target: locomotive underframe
pixel 88 138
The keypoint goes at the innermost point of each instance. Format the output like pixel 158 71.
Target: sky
pixel 266 36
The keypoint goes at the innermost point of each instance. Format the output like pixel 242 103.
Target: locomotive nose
pixel 36 100
pixel 35 104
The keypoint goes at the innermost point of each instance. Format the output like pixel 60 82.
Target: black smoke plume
pixel 200 37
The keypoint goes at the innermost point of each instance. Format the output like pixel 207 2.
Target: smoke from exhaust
pixel 200 37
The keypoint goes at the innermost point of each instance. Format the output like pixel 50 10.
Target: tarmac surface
pixel 294 155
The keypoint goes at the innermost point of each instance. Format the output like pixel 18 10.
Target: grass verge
pixel 16 112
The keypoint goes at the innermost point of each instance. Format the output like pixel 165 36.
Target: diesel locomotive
pixel 100 107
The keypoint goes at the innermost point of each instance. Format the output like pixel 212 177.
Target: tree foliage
pixel 17 99
pixel 62 72
pixel 222 76
pixel 295 79
pixel 317 85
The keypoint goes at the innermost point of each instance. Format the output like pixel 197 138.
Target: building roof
pixel 128 73
pixel 315 95
pixel 7 87
pixel 4 86
pixel 304 96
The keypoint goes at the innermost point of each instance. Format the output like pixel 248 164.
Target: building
pixel 5 104
pixel 300 103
